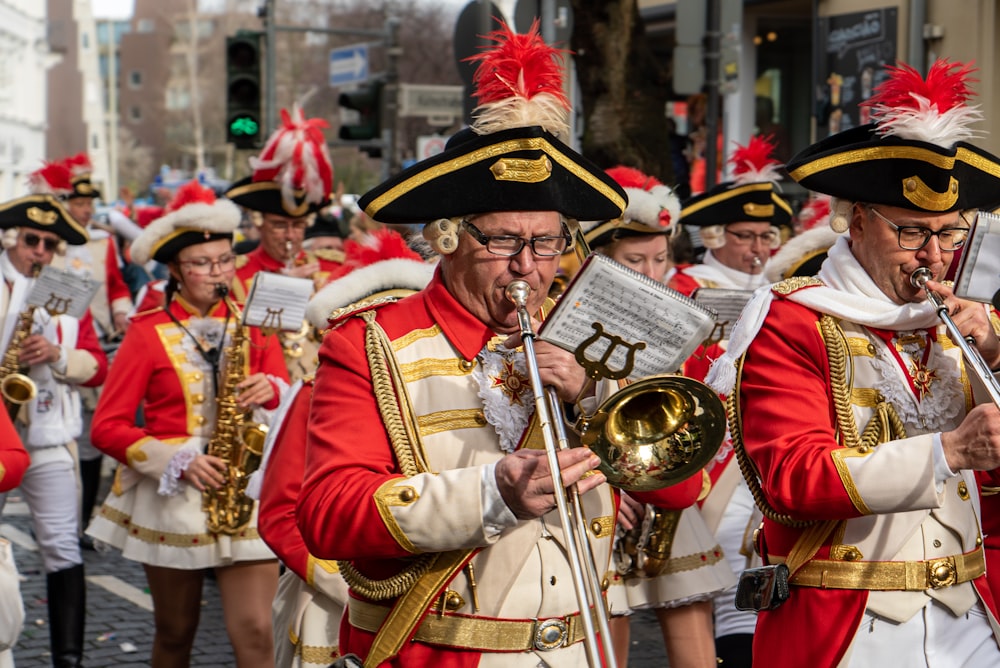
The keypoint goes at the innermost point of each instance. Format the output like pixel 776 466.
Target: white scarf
pixel 847 293
pixel 20 286
pixel 712 271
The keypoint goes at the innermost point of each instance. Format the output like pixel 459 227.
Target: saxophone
pixel 236 440
pixel 644 551
pixel 16 387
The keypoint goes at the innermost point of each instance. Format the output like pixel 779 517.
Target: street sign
pixel 429 145
pixel 349 65
pixel 429 100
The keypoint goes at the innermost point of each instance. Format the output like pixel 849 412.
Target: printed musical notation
pixel 634 308
pixel 978 275
pixel 62 292
pixel 277 302
pixel 727 304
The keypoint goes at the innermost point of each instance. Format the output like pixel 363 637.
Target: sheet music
pixel 60 291
pixel 727 304
pixel 629 305
pixel 978 276
pixel 277 302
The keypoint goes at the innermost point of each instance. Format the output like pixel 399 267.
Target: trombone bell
pixel 656 432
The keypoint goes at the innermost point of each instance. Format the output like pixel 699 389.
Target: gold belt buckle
pixel 550 634
pixel 941 572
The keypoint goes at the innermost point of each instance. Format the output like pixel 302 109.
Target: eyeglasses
pixel 914 237
pixel 31 240
pixel 508 245
pixel 204 266
pixel 747 238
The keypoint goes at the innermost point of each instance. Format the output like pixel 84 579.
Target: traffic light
pixel 243 90
pixel 367 101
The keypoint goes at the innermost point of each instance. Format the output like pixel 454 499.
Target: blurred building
pixel 74 107
pixel 24 61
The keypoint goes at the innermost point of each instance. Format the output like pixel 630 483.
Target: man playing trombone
pixel 423 475
pixel 855 410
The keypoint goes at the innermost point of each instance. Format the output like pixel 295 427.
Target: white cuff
pixel 941 469
pixel 170 481
pixel 496 515
pixel 59 366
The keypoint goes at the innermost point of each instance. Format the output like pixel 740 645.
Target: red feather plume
pixel 53 178
pixel 946 86
pixel 296 157
pixel 753 162
pixel 519 65
pixel 379 244
pixel 191 192
pixel 79 164
pixel 629 177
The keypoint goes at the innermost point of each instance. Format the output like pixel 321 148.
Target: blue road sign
pixel 349 65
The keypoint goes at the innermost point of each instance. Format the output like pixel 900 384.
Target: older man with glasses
pixel 861 428
pixel 57 354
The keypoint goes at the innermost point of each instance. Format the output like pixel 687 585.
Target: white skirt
pixel 170 531
pixel 306 624
pixel 695 570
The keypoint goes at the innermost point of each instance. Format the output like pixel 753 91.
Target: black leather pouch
pixel 763 588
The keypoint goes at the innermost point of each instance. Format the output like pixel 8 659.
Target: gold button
pixel 480 418
pixel 467 365
pixel 548 165
pixel 936 543
pixel 453 601
pixel 954 186
pixel 197 398
pixel 963 491
pixel 852 554
pixel 910 185
pixel 199 420
pixel 407 495
pixel 864 449
pixel 595 526
pixel 871 349
pixel 979 540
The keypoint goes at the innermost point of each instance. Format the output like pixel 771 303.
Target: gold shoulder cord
pixel 885 424
pixel 406 445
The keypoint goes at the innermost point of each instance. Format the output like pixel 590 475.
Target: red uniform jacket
pixel 14 459
pixel 258 260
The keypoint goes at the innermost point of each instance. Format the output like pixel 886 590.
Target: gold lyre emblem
pixel 599 368
pixel 56 305
pixel 272 321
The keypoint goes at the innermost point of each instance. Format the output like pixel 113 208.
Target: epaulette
pixel 330 255
pixel 241 261
pixel 147 312
pixel 339 316
pixel 795 283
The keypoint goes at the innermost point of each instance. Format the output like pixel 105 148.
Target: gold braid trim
pixel 393 404
pixel 837 353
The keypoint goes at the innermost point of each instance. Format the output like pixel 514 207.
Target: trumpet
pixel 973 358
pixel 551 422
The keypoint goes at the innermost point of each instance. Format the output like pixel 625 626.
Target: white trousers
pixel 49 489
pixel 932 638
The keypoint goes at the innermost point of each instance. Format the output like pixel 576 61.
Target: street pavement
pixel 119 610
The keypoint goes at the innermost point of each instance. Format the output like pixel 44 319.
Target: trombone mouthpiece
pixel 920 276
pixel 517 292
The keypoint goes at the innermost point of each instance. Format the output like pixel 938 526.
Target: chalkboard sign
pixel 851 53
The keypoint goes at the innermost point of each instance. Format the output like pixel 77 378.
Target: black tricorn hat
pixel 80 168
pixel 859 165
pixel 43 212
pixel 326 225
pixel 914 155
pixel 518 169
pixel 731 202
pixel 266 197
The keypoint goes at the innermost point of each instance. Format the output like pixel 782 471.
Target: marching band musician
pixel 169 364
pixel 856 410
pixel 681 594
pixel 420 477
pixel 290 184
pixel 312 595
pixel 739 223
pixel 61 353
pixel 14 459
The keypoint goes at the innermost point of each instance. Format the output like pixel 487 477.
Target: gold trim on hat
pixel 486 153
pixel 522 170
pixel 83 187
pixel 176 233
pixel 758 210
pixel 40 216
pixel 61 212
pixel 622 224
pixel 257 186
pixel 695 207
pixel 897 152
pixel 920 194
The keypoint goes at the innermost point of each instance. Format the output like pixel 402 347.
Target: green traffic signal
pixel 243 89
pixel 244 126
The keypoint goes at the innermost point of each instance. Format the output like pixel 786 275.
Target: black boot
pixel 67 605
pixel 90 483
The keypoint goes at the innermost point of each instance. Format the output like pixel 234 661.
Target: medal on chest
pixel 511 381
pixel 504 387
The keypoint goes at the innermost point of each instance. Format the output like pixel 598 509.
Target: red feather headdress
pixel 78 164
pixel 191 192
pixel 53 178
pixel 934 110
pixel 753 163
pixel 296 157
pixel 519 83
pixel 649 201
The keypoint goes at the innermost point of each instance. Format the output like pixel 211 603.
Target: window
pixel 135 114
pixel 146 25
pixel 135 79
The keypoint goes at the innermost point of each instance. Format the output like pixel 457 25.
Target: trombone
pixel 585 580
pixel 972 356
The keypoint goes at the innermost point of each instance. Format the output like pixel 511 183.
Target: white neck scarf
pixel 848 293
pixel 712 271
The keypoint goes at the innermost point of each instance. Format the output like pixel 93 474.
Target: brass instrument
pixel 645 549
pixel 235 440
pixel 972 356
pixel 16 387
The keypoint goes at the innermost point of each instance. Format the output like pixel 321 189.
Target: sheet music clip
pixel 56 305
pixel 596 369
pixel 272 321
pixel 717 335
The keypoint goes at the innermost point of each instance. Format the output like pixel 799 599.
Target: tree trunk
pixel 623 88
